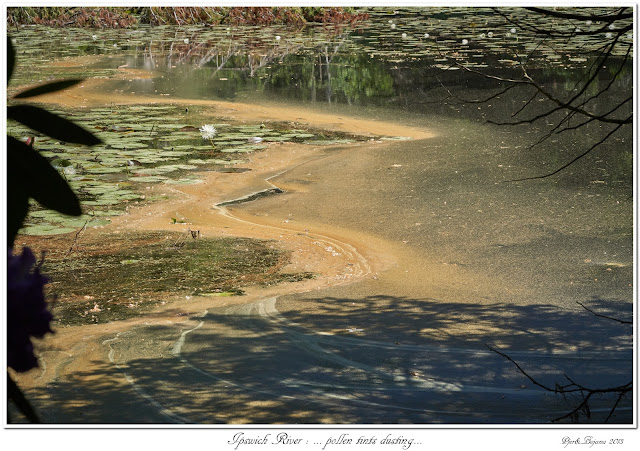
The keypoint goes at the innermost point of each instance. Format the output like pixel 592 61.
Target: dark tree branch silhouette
pixel 574 387
pixel 606 19
pixel 596 35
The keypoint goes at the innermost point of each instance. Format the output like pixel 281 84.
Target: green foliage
pixel 351 77
pixel 357 76
pixel 30 176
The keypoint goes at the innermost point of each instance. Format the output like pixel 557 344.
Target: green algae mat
pixel 145 268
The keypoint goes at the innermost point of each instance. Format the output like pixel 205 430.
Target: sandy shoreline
pixel 336 256
pixel 198 202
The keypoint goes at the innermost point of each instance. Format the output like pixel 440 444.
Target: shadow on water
pixel 546 327
pixel 251 364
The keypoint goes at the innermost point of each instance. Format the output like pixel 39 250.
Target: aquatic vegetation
pixel 31 175
pixel 120 17
pixel 181 264
pixel 142 145
pixel 162 144
pixel 208 131
pixel 366 65
pixel 290 16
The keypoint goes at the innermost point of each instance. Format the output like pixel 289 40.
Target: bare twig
pixel 75 239
pixel 583 154
pixel 574 387
pixel 603 316
pixel 555 390
pixel 485 100
pixel 606 18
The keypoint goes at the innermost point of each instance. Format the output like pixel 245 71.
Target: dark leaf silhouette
pixel 17 204
pixel 43 182
pixel 11 58
pixel 51 124
pixel 15 394
pixel 47 88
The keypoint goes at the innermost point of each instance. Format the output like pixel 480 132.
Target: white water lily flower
pixel 465 41
pixel 207 131
pixel 186 40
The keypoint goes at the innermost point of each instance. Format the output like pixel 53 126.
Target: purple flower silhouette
pixel 27 312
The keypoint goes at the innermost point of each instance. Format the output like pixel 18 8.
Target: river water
pixel 477 262
pixel 461 258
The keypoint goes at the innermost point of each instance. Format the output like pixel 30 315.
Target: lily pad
pixel 149 178
pixel 46 229
pixel 189 181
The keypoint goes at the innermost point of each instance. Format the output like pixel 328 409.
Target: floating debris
pixel 252 197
